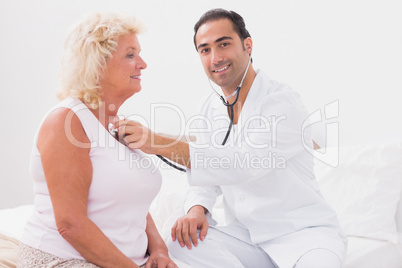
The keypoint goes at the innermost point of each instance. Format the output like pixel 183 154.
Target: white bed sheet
pixel 362 252
pixel 370 253
pixel 12 220
pixel 12 224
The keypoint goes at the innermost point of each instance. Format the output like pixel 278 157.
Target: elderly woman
pixel 91 205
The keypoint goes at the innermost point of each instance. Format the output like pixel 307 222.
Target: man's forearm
pixel 175 150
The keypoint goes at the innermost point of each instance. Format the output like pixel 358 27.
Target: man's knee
pixel 183 252
pixel 319 258
pixel 208 253
pixel 174 247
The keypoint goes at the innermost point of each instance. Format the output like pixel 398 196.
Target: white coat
pixel 270 195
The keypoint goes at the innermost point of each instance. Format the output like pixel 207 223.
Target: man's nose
pixel 216 57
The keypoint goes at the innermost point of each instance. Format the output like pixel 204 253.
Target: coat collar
pixel 252 96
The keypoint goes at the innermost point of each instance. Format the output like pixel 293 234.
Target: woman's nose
pixel 141 64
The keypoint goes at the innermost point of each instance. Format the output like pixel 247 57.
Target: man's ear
pixel 248 45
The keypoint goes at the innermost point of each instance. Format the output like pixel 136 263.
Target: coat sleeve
pixel 201 195
pixel 271 138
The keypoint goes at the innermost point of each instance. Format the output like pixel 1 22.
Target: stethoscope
pixel 230 105
pixel 231 115
pixel 226 103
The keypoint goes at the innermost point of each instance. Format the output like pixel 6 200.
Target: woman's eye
pixel 130 56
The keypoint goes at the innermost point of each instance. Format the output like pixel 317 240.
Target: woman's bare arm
pixel 68 171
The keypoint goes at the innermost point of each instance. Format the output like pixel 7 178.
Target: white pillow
pixel 398 218
pixel 364 189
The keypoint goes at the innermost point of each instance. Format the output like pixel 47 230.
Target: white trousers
pixel 318 258
pixel 220 250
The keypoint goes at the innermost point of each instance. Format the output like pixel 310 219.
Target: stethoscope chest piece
pixel 112 131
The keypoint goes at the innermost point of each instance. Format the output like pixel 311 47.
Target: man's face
pixel 222 53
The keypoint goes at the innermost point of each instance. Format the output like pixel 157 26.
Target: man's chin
pixel 220 81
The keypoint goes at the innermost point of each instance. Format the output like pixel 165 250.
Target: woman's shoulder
pixel 64 114
pixel 61 125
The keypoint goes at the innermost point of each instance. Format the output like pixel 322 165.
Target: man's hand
pixel 135 135
pixel 185 228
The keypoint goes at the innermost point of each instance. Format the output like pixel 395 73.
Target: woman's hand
pixel 158 252
pixel 160 259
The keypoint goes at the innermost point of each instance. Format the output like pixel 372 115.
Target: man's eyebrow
pixel 223 38
pixel 201 45
pixel 220 39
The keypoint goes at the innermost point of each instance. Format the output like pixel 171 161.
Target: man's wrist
pixel 161 145
pixel 198 209
pixel 170 148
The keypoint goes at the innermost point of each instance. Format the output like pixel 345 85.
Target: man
pixel 275 215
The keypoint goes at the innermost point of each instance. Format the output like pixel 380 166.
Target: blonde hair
pixel 87 47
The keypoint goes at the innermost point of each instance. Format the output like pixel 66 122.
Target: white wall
pixel 346 51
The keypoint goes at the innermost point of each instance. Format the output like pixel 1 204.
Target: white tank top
pixel 124 183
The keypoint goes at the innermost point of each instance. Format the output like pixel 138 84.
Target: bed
pixel 362 183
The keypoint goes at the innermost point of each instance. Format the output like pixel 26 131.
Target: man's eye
pixel 205 50
pixel 224 44
pixel 130 56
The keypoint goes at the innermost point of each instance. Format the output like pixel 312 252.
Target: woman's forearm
pixel 155 241
pixel 92 243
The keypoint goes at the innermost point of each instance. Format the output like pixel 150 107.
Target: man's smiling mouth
pixel 221 69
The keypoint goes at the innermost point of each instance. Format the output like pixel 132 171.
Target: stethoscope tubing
pixel 231 116
pixel 231 113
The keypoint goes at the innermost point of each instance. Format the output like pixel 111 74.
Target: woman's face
pixel 123 71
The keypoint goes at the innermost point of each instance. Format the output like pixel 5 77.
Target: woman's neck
pixel 106 113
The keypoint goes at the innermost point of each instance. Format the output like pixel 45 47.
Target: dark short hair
pixel 218 13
